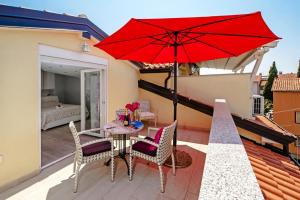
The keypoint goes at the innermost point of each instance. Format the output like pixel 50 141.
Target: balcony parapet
pixel 227 172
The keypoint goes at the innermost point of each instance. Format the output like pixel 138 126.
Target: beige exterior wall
pixel 156 78
pixel 19 135
pixel 186 117
pixel 235 88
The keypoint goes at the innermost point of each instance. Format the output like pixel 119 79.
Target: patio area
pixel 56 182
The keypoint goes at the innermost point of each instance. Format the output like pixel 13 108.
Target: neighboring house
pixel 286 103
pixel 259 84
pixel 257 95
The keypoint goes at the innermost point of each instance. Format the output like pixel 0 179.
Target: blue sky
pixel 282 16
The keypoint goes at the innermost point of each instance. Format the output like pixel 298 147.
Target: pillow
pixel 50 99
pixel 156 138
pixel 49 104
pixel 158 135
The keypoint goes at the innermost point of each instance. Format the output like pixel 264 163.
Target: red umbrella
pixel 187 40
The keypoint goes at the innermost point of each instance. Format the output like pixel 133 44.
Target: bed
pixel 54 113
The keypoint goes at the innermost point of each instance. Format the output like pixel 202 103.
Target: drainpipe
pixel 167 79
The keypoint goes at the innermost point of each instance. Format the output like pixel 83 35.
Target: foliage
pixel 298 73
pixel 273 73
pixel 268 106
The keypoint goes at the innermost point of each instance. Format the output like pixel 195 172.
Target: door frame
pixel 103 90
pixel 66 57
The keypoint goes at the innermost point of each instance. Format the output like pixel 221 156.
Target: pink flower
pixel 135 105
pixel 129 107
pixel 132 107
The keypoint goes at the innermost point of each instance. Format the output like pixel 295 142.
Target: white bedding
pixel 52 115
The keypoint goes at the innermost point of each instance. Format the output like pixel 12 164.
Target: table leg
pixel 122 152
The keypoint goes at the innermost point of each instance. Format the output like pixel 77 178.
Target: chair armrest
pixel 96 141
pixel 151 129
pixel 137 139
pixel 90 130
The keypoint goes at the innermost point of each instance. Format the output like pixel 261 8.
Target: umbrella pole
pixel 175 100
pixel 182 159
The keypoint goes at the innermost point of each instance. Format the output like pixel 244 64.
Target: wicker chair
pixel 158 154
pixel 144 111
pixel 91 151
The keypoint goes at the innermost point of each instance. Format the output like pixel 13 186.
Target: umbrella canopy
pixel 197 38
pixel 187 40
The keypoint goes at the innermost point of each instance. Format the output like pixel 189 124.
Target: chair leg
pixel 155 121
pixel 130 166
pixel 76 176
pixel 112 167
pixel 161 174
pixel 74 164
pixel 173 164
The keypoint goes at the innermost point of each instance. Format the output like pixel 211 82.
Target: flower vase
pixel 136 115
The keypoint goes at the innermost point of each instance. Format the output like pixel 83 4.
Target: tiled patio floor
pixel 56 182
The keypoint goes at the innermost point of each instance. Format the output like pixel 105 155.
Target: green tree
pixel 298 73
pixel 273 73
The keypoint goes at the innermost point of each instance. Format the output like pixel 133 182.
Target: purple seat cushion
pixel 96 148
pixel 145 148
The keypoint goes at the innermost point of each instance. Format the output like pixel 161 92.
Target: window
pixel 297 117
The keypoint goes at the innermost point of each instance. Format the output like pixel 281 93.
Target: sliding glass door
pixel 93 99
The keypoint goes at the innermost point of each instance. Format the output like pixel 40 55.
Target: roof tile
pixel 277 176
pixel 286 83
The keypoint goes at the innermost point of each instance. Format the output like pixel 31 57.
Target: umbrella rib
pixel 231 34
pixel 191 39
pixel 214 22
pixel 187 55
pixel 213 46
pixel 127 53
pixel 159 52
pixel 160 39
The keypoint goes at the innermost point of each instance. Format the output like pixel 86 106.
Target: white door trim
pixel 55 52
pixel 65 57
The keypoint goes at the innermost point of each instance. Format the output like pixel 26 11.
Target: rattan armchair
pixel 147 149
pixel 91 151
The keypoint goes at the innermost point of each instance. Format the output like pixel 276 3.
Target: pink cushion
pixel 156 139
pixel 158 135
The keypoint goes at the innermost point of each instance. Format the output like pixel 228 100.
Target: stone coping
pixel 227 172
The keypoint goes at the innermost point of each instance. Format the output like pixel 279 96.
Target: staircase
pixel 246 124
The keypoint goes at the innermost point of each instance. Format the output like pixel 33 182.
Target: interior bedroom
pixel 68 93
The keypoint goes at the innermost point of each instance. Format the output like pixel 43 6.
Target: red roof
pixel 263 120
pixel 286 83
pixel 277 176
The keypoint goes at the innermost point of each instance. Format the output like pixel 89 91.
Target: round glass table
pixel 121 132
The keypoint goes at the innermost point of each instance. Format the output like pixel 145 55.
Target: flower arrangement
pixel 133 107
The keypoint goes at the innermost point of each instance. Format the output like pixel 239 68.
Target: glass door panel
pixel 92 99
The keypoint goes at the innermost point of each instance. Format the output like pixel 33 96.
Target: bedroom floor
pixel 58 142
